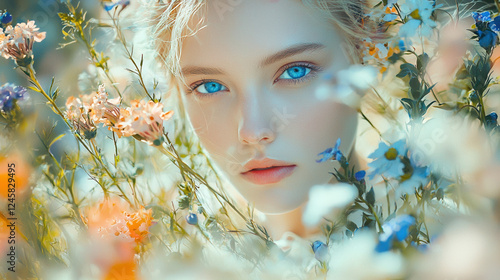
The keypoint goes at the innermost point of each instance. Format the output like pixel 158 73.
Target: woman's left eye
pixel 295 72
pixel 298 73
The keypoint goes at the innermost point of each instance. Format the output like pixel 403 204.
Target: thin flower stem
pixel 34 80
pixel 95 59
pixel 129 55
pixel 184 168
pixel 374 213
pixel 371 124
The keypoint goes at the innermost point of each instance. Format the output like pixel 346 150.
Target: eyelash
pixel 314 71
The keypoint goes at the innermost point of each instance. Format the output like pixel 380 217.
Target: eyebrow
pixel 290 51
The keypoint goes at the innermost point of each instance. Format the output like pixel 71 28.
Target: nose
pixel 254 126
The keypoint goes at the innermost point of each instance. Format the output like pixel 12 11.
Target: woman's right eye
pixel 208 88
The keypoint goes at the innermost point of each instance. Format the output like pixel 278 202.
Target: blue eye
pixel 209 88
pixel 295 72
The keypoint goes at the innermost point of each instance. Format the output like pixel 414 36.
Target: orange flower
pixel 138 223
pixel 112 219
pixel 101 216
pixel 125 270
pixel 14 178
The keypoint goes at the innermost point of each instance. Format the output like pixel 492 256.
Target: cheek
pixel 210 120
pixel 320 124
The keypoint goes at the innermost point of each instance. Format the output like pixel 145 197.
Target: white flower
pixel 349 85
pixel 419 13
pixel 325 198
pixel 368 263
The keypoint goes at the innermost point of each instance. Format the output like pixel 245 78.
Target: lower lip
pixel 270 175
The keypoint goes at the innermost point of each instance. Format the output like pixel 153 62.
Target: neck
pixel 291 221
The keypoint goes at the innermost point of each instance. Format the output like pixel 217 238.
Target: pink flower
pixel 143 120
pixel 77 112
pixel 17 42
pixel 87 111
pixel 104 110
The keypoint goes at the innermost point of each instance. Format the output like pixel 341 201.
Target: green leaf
pixel 422 61
pixel 370 197
pixel 407 69
pixel 351 226
pixel 415 89
pixel 408 105
pixel 56 139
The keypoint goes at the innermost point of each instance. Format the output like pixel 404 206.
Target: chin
pixel 272 203
pixel 276 209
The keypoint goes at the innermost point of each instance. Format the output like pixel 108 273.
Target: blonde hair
pixel 169 25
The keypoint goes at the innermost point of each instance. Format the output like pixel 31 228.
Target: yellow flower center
pixel 415 14
pixel 391 154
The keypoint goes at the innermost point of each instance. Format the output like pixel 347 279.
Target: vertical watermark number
pixel 11 216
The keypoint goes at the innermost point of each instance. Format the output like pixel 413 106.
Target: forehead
pixel 247 30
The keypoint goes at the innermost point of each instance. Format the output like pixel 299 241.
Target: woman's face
pixel 252 72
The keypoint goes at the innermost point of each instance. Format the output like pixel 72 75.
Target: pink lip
pixel 267 171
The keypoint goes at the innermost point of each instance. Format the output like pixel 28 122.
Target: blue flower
pixel 9 94
pixel 495 24
pixel 397 228
pixel 402 45
pixel 490 120
pixel 192 219
pixel 123 3
pixel 487 39
pixel 331 153
pixel 419 18
pixel 413 177
pixel 360 175
pixel 320 251
pixel 483 17
pixel 6 18
pixel 387 160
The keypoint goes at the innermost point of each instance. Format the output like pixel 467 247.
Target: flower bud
pixel 192 219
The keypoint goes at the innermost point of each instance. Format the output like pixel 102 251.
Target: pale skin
pixel 263 61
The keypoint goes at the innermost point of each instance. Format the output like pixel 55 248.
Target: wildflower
pixel 397 228
pixel 320 250
pixel 116 3
pixel 6 18
pixel 131 226
pixel 348 85
pixel 390 13
pixel 387 160
pixel 412 178
pixel 9 95
pixel 485 29
pixel 381 53
pixel 104 110
pixel 483 17
pixel 323 199
pixel 138 223
pixel 77 112
pixel 17 43
pixel 23 171
pixel 192 219
pixel 360 175
pixel 495 24
pixel 418 13
pixel 490 121
pixel 143 120
pixel 331 153
pixel 487 39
